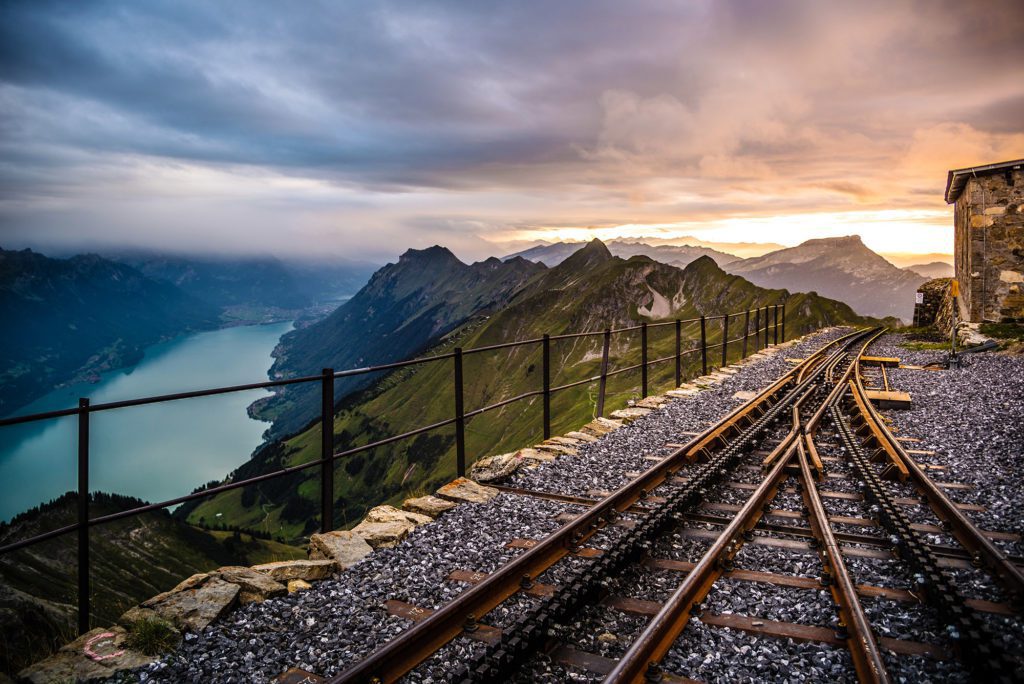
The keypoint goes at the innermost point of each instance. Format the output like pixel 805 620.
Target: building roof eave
pixel 957 178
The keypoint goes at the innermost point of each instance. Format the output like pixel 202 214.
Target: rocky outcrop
pixel 98 654
pixel 344 547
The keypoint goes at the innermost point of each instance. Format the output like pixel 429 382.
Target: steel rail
pixel 970 635
pixel 662 631
pixel 962 528
pixel 640 662
pixel 399 655
pixel 867 659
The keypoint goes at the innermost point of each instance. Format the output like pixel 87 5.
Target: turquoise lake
pixel 154 452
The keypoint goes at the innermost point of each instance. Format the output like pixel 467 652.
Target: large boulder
pixel 463 490
pixel 194 603
pixel 308 570
pixel 97 654
pixel 255 587
pixel 428 505
pixel 344 547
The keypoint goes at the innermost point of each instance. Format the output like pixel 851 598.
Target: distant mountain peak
pixel 435 253
pixel 593 253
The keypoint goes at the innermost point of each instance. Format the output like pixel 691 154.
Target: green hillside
pixel 131 560
pixel 589 291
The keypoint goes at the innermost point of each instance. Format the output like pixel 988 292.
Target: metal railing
pixel 774 322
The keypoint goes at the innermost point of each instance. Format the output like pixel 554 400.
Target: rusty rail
pixel 867 659
pixel 404 652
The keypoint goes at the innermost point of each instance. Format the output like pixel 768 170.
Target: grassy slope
pixel 131 560
pixel 586 293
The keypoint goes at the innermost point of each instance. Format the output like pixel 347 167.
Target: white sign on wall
pixel 919 298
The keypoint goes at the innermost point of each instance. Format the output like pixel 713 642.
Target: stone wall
pixel 989 246
pixel 932 294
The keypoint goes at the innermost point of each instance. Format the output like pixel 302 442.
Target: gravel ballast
pixel 332 625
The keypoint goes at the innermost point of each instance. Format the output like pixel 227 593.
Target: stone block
pixel 385 513
pixel 383 535
pixel 494 468
pixel 463 490
pixel 628 415
pixel 298 585
pixel 344 547
pixel 981 221
pixel 582 436
pixel 432 506
pixel 309 570
pixel 254 587
pixel 196 602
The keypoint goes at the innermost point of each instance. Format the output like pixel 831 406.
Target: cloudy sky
pixel 363 128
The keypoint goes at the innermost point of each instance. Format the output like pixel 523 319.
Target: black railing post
pixel 546 370
pixel 703 346
pixel 679 352
pixel 327 450
pixel 775 332
pixel 643 359
pixel 604 372
pixel 460 418
pixel 767 326
pixel 746 331
pixel 783 333
pixel 725 341
pixel 757 329
pixel 83 516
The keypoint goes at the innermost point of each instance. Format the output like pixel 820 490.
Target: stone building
pixel 988 222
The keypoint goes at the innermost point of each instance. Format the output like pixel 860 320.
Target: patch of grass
pixel 926 346
pixel 152 637
pixel 1003 331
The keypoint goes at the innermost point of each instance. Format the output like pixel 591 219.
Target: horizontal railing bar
pixel 584 381
pixel 503 345
pixel 395 438
pixel 624 370
pixel 525 395
pixel 389 366
pixel 158 399
pixel 569 336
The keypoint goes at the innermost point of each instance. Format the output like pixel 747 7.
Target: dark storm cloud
pixel 466 116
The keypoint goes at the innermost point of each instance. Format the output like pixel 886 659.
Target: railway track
pixel 800 506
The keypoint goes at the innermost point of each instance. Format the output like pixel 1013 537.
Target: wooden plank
pixel 812 583
pixel 888 361
pixel 598 664
pixel 798 632
pixel 296 675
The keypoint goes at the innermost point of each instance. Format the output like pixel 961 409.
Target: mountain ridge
pixel 842 268
pixel 590 291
